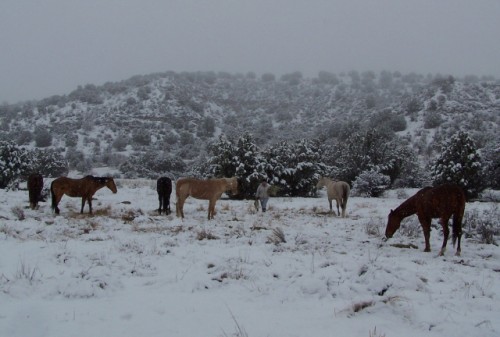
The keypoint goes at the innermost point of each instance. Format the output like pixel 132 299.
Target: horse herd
pixel 442 202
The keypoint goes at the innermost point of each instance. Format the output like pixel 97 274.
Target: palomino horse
pixel 210 189
pixel 338 190
pixel 440 202
pixel 164 189
pixel 35 186
pixel 84 188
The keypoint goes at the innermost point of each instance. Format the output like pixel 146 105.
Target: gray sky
pixel 49 47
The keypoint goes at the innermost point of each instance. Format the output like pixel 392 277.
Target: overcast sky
pixel 49 47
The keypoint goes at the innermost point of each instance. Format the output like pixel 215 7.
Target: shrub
pixel 371 183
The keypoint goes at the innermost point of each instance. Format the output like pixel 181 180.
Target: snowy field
pixel 127 271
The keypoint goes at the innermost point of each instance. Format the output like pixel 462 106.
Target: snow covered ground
pixel 127 271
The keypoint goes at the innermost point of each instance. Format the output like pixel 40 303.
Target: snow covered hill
pixel 180 113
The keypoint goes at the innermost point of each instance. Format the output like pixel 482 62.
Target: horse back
pixel 75 187
pixel 443 200
pixel 164 186
pixel 200 189
pixel 35 186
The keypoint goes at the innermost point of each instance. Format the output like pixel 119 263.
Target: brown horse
pixel 210 189
pixel 338 190
pixel 441 202
pixel 35 186
pixel 84 188
pixel 164 189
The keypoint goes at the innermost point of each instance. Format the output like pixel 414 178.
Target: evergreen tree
pixel 49 163
pixel 459 163
pixel 249 165
pixel 15 162
pixel 491 156
pixel 371 183
pixel 295 168
pixel 223 161
pixel 362 151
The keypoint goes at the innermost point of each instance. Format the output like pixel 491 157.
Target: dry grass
pixel 205 235
pixel 277 236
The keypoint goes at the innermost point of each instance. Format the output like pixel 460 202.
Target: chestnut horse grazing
pixel 35 186
pixel 441 202
pixel 84 188
pixel 210 189
pixel 164 189
pixel 338 190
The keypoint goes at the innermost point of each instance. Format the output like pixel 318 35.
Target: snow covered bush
pixel 50 163
pixel 491 157
pixel 370 183
pixel 152 164
pixel 14 163
pixel 459 163
pixel 295 167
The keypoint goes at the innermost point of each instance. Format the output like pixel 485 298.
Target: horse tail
pixel 53 195
pixel 457 218
pixel 345 194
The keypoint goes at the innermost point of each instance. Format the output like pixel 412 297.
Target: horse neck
pixel 407 208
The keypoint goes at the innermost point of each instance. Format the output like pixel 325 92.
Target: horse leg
pixel 338 210
pixel 446 234
pixel 159 204
pixel 426 228
pixel 55 203
pixel 211 209
pixel 457 231
pixel 167 203
pixel 330 202
pixel 179 207
pixel 89 200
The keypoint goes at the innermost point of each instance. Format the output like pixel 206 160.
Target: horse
pixel 441 202
pixel 84 188
pixel 338 190
pixel 164 189
pixel 210 189
pixel 35 186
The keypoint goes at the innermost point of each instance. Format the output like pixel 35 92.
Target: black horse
pixel 164 189
pixel 35 186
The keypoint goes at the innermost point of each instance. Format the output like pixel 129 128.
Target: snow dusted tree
pixel 491 156
pixel 223 161
pixel 15 162
pixel 370 183
pixel 251 165
pixel 241 160
pixel 49 163
pixel 152 164
pixel 459 163
pixel 295 168
pixel 361 151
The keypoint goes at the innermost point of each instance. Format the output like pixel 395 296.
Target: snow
pixel 127 271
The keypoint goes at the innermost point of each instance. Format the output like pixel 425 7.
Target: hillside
pixel 180 113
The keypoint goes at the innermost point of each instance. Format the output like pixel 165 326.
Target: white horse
pixel 338 190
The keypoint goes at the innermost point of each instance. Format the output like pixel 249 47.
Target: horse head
pixel 321 182
pixel 110 183
pixel 232 185
pixel 393 223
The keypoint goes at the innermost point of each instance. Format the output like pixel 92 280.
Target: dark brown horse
pixel 441 202
pixel 84 188
pixel 210 189
pixel 35 186
pixel 164 189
